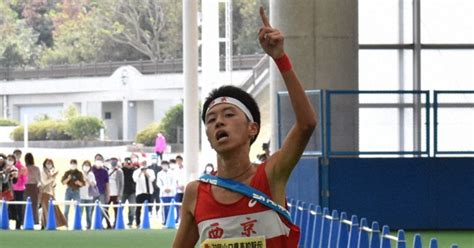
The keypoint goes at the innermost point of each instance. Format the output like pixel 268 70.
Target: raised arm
pixel 282 162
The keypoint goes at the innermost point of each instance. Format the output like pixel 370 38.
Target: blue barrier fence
pixel 97 216
pixel 320 229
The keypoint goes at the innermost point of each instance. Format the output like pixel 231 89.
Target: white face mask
pixel 73 166
pixel 49 166
pixel 208 170
pixel 86 168
pixel 9 162
pixel 135 160
pixel 99 163
pixel 154 161
pixel 173 166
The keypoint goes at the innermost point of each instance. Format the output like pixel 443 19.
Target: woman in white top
pixel 84 191
pixel 165 180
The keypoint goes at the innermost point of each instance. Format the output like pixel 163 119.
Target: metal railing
pixel 400 100
pixel 456 126
pixel 240 62
pixel 260 73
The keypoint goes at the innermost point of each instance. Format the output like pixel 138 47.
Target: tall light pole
pixel 191 90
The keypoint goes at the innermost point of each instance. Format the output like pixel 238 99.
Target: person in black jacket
pixel 129 188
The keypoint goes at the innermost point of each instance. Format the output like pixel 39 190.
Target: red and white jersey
pixel 245 218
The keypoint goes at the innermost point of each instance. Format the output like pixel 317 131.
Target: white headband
pixel 233 101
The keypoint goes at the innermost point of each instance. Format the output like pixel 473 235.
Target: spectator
pixel 167 184
pixel 32 185
pixel 48 185
pixel 8 176
pixel 209 169
pixel 116 184
pixel 143 178
pixel 85 192
pixel 18 187
pixel 129 189
pixel 181 182
pixel 155 197
pixel 102 180
pixel 74 180
pixel 160 145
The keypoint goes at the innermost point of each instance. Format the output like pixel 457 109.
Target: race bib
pixel 251 242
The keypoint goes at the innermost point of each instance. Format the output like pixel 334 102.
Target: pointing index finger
pixel 264 17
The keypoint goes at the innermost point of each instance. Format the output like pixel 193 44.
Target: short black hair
pixel 165 162
pixel 179 157
pixel 73 161
pixel 239 94
pixel 99 155
pixel 17 151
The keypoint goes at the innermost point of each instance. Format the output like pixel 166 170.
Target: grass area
pixel 164 238
pixel 89 239
pixel 465 239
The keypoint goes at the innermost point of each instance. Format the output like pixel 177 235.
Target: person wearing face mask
pixel 74 180
pixel 209 169
pixel 19 187
pixel 155 197
pixel 85 194
pixel 167 184
pixel 8 176
pixel 48 186
pixel 143 178
pixel 116 180
pixel 102 179
pixel 129 189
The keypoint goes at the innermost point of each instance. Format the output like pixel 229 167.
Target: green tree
pixel 152 27
pixel 84 127
pixel 76 38
pixel 148 134
pixel 18 43
pixel 70 112
pixel 172 123
pixel 246 25
pixel 36 15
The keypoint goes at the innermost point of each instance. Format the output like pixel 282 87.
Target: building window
pixel 108 115
pixel 415 45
